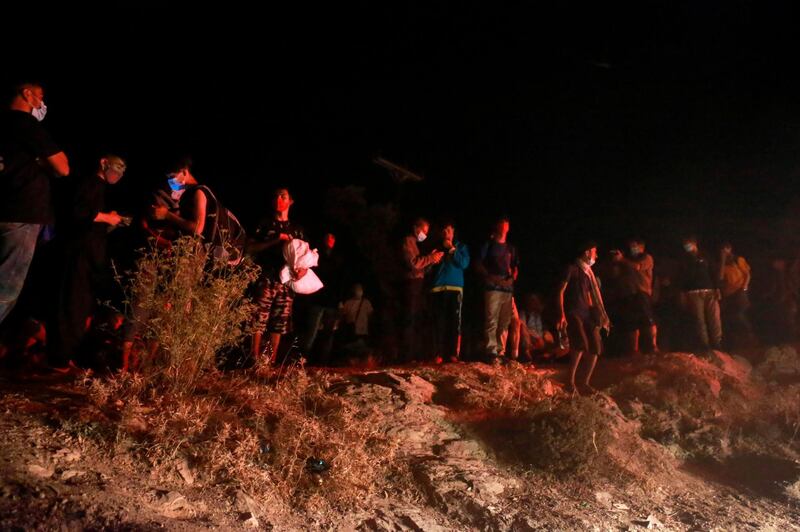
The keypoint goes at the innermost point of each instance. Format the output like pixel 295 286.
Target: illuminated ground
pixel 676 442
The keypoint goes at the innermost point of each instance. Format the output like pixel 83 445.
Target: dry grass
pixel 257 435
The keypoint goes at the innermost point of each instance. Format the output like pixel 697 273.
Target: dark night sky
pixel 655 119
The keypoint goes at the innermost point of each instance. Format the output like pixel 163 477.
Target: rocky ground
pixel 674 442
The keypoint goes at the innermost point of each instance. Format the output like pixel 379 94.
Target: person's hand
pixel 285 237
pixel 113 219
pixel 448 245
pixel 718 294
pixel 159 212
pixel 300 273
pixel 437 256
pixel 562 323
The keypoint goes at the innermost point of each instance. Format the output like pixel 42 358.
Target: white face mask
pixel 635 250
pixel 591 262
pixel 688 247
pixel 421 237
pixel 39 113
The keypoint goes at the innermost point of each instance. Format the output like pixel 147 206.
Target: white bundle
pixel 298 256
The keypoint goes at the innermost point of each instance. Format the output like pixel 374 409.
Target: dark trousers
pixel 75 304
pixel 411 319
pixel 446 314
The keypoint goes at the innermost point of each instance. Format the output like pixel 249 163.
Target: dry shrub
pixel 192 306
pixel 711 409
pixel 506 389
pixel 569 436
pixel 257 436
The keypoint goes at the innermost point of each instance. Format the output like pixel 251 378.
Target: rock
pixel 252 522
pixel 491 487
pixel 400 520
pixel 245 504
pixel 67 455
pixel 650 523
pixel 468 449
pixel 780 361
pixel 793 490
pixel 175 505
pixel 136 425
pixel 604 499
pixel 40 471
pixel 71 473
pixel 185 470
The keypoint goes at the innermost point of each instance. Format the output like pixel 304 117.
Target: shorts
pixel 273 300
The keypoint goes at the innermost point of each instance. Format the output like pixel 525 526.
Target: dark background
pixel 656 119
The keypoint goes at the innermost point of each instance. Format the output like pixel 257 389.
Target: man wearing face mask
pixel 85 270
pixel 699 295
pixel 415 266
pixel 28 160
pixel 582 312
pixel 190 216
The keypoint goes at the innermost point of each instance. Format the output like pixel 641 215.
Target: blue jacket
pixel 450 272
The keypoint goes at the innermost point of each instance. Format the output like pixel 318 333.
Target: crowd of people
pixel 623 301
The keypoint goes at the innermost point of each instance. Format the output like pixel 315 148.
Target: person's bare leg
pixel 274 340
pixel 255 346
pixel 592 363
pixel 575 362
pixel 127 347
pixel 654 338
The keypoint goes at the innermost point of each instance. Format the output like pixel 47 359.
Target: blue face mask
pixel 175 185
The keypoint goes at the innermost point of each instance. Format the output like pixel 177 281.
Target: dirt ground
pixel 674 442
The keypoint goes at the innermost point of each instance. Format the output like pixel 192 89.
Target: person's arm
pixel 747 273
pixel 461 257
pixel 59 164
pixel 110 218
pixel 562 320
pixel 257 246
pixel 414 259
pixel 197 223
pixel 514 264
pixel 39 142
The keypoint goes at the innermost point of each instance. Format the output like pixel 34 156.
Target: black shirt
pixel 24 169
pixel 695 273
pixel 83 234
pixel 577 295
pixel 271 259
pixel 329 270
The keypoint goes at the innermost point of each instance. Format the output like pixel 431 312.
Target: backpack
pixel 225 233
